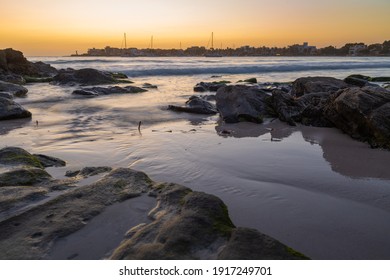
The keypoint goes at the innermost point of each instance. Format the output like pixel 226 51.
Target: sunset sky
pixel 49 27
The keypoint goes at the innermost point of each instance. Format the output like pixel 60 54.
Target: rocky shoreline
pixel 183 225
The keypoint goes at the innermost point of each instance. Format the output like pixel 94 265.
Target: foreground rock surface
pixel 195 225
pixel 184 225
pixel 15 90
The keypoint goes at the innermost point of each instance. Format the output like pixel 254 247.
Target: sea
pixel 314 189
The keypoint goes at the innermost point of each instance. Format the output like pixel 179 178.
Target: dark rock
pixel 18 156
pixel 117 75
pixel 6 95
pixel 14 63
pixel 195 105
pixel 48 161
pixel 363 113
pixel 243 103
pixel 251 80
pixel 356 81
pixel 241 246
pixel 147 85
pixel 381 79
pixel 360 77
pixel 24 177
pixel 12 110
pixel 85 76
pixel 15 90
pixel 29 79
pixel 302 86
pixel 213 86
pixel 96 91
pixel 88 171
pixel 194 225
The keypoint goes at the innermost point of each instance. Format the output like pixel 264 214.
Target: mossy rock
pixel 18 156
pixel 381 79
pixel 24 177
pixel 251 80
pixel 361 77
pixel 118 75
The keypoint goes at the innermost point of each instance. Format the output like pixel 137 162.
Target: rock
pixel 85 76
pixel 380 79
pixel 147 85
pixel 6 95
pixel 363 113
pixel 15 90
pixel 186 224
pixel 48 161
pixel 302 86
pixel 88 171
pixel 67 213
pixel 29 79
pixel 356 81
pixel 13 62
pixel 194 225
pixel 14 156
pixel 10 196
pixel 12 110
pixel 196 105
pixel 24 177
pixel 241 246
pixel 360 77
pixel 243 103
pixel 251 80
pixel 213 86
pixel 117 75
pixel 96 91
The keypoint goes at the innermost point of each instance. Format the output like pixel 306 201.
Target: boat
pixel 212 52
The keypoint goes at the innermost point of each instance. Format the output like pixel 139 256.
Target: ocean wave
pixel 275 68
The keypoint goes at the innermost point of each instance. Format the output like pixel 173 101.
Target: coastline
pixel 271 167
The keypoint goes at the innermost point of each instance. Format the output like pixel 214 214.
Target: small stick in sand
pixel 139 126
pixel 37 123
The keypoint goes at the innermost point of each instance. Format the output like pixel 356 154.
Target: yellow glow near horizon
pixel 46 27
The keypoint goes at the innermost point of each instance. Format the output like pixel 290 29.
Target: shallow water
pixel 315 189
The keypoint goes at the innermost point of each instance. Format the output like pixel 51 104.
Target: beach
pixel 315 189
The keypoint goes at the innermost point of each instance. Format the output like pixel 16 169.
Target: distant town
pixel 350 49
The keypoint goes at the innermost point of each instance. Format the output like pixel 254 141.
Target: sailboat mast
pixel 151 43
pixel 212 40
pixel 125 41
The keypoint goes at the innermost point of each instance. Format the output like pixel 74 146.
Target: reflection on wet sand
pixel 345 156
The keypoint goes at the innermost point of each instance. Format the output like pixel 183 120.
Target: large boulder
pixel 363 113
pixel 86 76
pixel 15 90
pixel 195 225
pixel 12 110
pixel 306 85
pixel 13 63
pixel 243 103
pixel 196 105
pixel 14 156
pixel 24 177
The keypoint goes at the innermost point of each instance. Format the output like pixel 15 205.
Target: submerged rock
pixel 13 156
pixel 196 105
pixel 12 110
pixel 96 91
pixel 243 103
pixel 87 76
pixel 48 161
pixel 147 85
pixel 363 113
pixel 15 90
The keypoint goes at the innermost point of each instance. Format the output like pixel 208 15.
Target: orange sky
pixel 49 27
